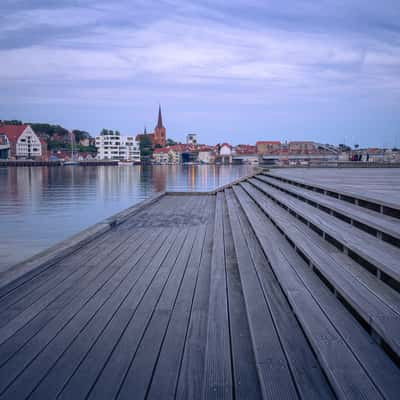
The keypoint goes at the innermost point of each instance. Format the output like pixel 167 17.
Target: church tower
pixel 159 131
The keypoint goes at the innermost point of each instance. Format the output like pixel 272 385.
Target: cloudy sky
pixel 237 71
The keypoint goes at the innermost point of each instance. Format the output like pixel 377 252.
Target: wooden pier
pixel 274 287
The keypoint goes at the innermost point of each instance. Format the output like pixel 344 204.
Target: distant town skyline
pixel 233 72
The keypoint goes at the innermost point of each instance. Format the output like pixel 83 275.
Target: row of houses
pixel 193 153
pixel 21 142
pixel 267 152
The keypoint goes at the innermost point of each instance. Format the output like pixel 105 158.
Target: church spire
pixel 159 122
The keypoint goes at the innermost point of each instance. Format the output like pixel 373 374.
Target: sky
pixel 236 71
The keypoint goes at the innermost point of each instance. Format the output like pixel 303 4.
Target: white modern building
pixel 112 146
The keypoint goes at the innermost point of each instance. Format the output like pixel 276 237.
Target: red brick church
pixel 158 137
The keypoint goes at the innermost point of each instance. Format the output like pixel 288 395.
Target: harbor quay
pixel 281 284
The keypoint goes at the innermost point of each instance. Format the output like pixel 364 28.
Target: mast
pixel 72 145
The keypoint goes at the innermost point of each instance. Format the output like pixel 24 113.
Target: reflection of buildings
pixel 156 175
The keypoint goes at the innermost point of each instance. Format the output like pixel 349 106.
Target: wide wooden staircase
pixel 320 279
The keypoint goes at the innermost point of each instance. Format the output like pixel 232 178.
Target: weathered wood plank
pixel 64 367
pixel 379 185
pixel 165 376
pixel 20 273
pixel 381 254
pixel 56 339
pixel 342 368
pixel 381 290
pixel 90 254
pixel 190 383
pixel 126 327
pixel 25 315
pixel 381 222
pixel 305 369
pixel 381 317
pixel 217 382
pixel 114 371
pixel 87 286
pixel 169 316
pixel 274 372
pixel 245 375
pixel 140 371
pixel 63 278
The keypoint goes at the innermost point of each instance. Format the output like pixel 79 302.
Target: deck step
pixel 383 226
pixel 378 287
pixel 380 205
pixel 278 339
pixel 359 245
pixel 355 366
pixel 376 314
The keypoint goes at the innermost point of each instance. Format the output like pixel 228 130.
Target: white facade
pixel 28 144
pixel 161 157
pixel 191 138
pixel 225 150
pixel 172 156
pixel 206 157
pixel 116 147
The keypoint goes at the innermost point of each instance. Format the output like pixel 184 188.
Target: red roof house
pixel 24 143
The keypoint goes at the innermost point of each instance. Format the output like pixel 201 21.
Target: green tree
pixel 171 142
pixel 146 147
pixel 79 135
pixel 11 122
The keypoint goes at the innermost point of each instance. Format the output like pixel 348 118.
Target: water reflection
pixel 41 206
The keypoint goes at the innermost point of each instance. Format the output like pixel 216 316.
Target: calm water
pixel 41 206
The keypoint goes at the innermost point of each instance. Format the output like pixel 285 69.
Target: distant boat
pixel 71 162
pixel 125 163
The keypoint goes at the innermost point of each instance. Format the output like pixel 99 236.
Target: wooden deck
pixel 376 185
pixel 258 291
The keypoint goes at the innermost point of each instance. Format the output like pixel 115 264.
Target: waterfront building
pixel 251 159
pixel 23 142
pixel 268 146
pixel 178 153
pixel 4 147
pixel 161 156
pixel 206 156
pixel 158 137
pixel 191 138
pixel 224 153
pixel 112 146
pixel 168 155
pixel 245 154
pixel 160 131
pixel 245 149
pixel 225 149
pixel 301 147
